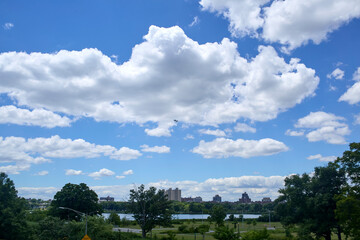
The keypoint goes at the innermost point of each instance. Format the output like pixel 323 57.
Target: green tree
pixel 256 235
pixel 310 201
pixel 114 219
pixel 149 208
pixel 348 204
pixel 202 229
pixel 51 228
pixel 12 211
pixel 78 197
pixel 218 214
pixel 225 233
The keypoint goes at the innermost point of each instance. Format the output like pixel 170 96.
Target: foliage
pixel 115 206
pixel 183 228
pixel 348 213
pixel 225 233
pixel 203 228
pixel 51 228
pixel 218 214
pixel 348 204
pixel 150 208
pixel 36 215
pixel 170 236
pixel 98 229
pixel 114 219
pixel 310 201
pixel 75 196
pixel 256 235
pixel 12 211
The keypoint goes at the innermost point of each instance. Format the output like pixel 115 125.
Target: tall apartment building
pixel 173 195
pixel 217 198
pixel 245 198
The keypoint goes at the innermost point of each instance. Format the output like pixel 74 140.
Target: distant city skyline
pixel 211 97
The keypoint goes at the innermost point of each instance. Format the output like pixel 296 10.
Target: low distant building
pixel 173 195
pixel 106 199
pixel 266 200
pixel 245 198
pixel 190 199
pixel 217 199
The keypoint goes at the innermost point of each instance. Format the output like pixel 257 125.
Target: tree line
pixel 198 208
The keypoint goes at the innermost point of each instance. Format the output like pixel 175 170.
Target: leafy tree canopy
pixel 150 208
pixel 309 201
pixel 75 196
pixel 218 214
pixel 348 204
pixel 12 211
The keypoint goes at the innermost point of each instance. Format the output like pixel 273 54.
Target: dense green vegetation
pixel 321 205
pixel 198 208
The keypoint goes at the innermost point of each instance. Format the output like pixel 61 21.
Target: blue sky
pixel 213 97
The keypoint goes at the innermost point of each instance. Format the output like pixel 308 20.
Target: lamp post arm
pixel 80 213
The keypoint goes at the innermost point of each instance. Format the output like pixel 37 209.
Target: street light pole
pixel 80 213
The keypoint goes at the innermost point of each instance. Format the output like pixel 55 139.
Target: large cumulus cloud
pixel 169 76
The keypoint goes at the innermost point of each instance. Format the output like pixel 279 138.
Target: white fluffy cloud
pixel 321 158
pixel 215 132
pixel 244 16
pixel 15 169
pixel 24 152
pixel 72 172
pixel 155 149
pixel 169 76
pixel 322 126
pixel 128 172
pixel 242 127
pixel 337 74
pixel 101 173
pixel 36 117
pixel 229 188
pixel 224 148
pixel 289 22
pixel 37 192
pixel 352 95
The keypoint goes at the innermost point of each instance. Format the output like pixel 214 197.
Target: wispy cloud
pixel 155 149
pixel 321 158
pixel 42 173
pixel 196 21
pixel 8 26
pixel 72 172
pixel 224 148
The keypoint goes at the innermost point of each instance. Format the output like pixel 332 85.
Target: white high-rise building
pixel 173 195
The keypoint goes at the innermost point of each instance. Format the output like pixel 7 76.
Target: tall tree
pixel 12 211
pixel 348 204
pixel 218 214
pixel 311 201
pixel 78 197
pixel 149 208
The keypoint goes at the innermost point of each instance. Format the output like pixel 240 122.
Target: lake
pixel 186 216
